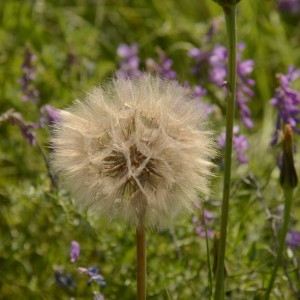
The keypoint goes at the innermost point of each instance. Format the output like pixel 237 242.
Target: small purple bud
pixel 129 66
pixel 289 6
pixel 29 91
pixel 240 144
pixel 26 128
pixel 74 251
pixel 48 115
pixel 195 53
pixel 293 239
pixel 200 230
pixel 162 67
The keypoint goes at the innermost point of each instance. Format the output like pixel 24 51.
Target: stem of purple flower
pixel 230 18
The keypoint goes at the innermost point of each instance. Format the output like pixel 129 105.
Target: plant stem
pixel 288 195
pixel 210 276
pixel 141 261
pixel 230 18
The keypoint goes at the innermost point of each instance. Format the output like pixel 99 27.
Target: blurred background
pixel 65 48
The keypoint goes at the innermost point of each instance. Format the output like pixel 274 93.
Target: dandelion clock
pixel 135 149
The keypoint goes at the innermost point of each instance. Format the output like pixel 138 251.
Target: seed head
pixel 134 147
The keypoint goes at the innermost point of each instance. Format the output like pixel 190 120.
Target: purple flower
pixel 293 239
pixel 129 66
pixel 240 144
pixel 200 224
pixel 200 58
pixel 163 67
pixel 289 6
pixel 217 61
pixel 196 54
pixel 218 74
pixel 30 93
pixel 244 93
pixel 287 101
pixel 48 115
pixel 197 92
pixel 74 251
pixel 94 275
pixel 26 128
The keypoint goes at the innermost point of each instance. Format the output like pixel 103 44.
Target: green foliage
pixel 75 42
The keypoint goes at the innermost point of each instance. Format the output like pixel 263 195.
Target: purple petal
pixel 74 251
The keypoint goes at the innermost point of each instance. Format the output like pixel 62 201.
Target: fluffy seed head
pixel 132 148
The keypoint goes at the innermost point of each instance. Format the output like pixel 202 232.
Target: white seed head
pixel 134 147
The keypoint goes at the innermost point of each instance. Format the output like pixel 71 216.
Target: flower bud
pixel 288 175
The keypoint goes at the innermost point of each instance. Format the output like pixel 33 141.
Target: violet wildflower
pixel 200 58
pixel 94 276
pixel 287 101
pixel 201 228
pixel 217 61
pixel 48 115
pixel 129 66
pixel 197 92
pixel 218 74
pixel 293 239
pixel 74 251
pixel 30 93
pixel 240 144
pixel 163 67
pixel 244 92
pixel 289 6
pixel 27 128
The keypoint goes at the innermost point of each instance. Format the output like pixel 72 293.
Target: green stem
pixel 230 18
pixel 288 195
pixel 210 281
pixel 141 261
